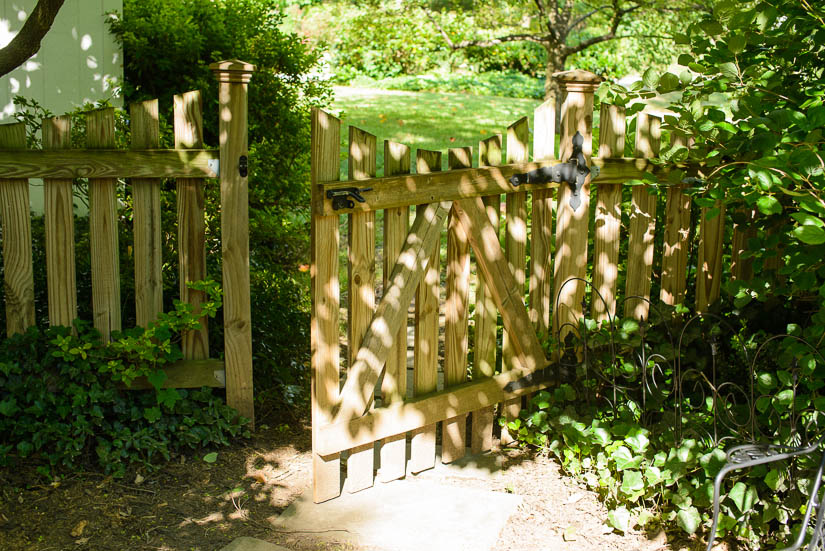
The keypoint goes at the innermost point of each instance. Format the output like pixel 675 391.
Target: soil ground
pixel 191 505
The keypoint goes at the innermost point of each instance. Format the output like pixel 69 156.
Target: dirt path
pixel 191 505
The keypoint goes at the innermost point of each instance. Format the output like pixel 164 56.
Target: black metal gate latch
pixel 573 172
pixel 342 197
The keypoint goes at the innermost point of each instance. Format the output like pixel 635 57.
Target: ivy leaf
pixel 157 378
pixel 773 479
pixel 689 519
pixel 624 459
pixel 637 440
pixel 8 407
pixel 712 462
pixel 619 519
pixel 742 496
pixel 632 482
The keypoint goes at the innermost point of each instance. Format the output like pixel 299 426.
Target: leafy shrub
pixel 64 402
pixel 651 452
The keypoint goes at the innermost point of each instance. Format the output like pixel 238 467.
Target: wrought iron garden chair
pixel 750 455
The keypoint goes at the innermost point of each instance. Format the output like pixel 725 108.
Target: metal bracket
pixel 573 172
pixel 342 197
pixel 243 167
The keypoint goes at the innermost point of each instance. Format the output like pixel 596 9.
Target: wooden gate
pixel 370 405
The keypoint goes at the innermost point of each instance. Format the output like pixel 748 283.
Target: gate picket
pixel 484 344
pixel 515 246
pixel 425 363
pixel 361 293
pixel 456 313
pixel 676 239
pixel 394 384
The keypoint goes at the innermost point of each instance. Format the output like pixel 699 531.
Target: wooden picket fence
pixel 370 405
pixel 143 165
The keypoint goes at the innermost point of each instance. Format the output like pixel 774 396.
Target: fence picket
pixel 541 230
pixel 742 268
pixel 642 223
pixel 59 222
pixel 147 217
pixel 394 383
pixel 709 265
pixel 361 293
pixel 608 217
pixel 515 244
pixel 456 316
pixel 425 363
pixel 191 221
pixel 103 229
pixel 676 239
pixel 17 239
pixel 324 338
pixel 484 345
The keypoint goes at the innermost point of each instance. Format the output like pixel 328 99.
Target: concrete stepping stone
pixel 406 515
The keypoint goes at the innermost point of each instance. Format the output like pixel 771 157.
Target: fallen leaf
pixel 77 531
pixel 139 480
pixel 81 541
pixel 570 533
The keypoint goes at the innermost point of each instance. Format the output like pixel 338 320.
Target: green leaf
pixel 810 235
pixel 650 78
pixel 689 519
pixel 632 482
pixel 8 407
pixel 742 496
pixel 806 219
pixel 773 479
pixel 768 204
pixel 711 462
pixel 624 459
pixel 729 70
pixel 157 378
pixel 152 414
pixel 737 43
pixel 601 436
pixel 619 519
pixel 211 457
pixel 637 440
pixel 668 82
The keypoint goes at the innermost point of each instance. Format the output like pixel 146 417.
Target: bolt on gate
pixel 370 404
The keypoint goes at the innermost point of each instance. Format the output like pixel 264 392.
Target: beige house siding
pixel 78 61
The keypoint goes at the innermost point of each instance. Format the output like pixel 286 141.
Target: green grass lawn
pixel 426 120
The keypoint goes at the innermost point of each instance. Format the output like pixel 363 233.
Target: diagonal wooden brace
pixel 504 290
pixel 391 314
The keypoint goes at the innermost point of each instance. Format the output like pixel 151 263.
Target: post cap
pixel 232 70
pixel 578 80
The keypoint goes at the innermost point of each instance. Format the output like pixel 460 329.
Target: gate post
pixel 233 77
pixel 572 226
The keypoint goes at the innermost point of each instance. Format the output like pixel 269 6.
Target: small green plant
pixel 64 402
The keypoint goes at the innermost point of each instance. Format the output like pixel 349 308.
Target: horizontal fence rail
pixel 432 342
pixel 141 167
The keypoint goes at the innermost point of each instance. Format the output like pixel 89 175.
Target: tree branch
pixel 615 21
pixel 27 42
pixel 485 43
pixel 586 16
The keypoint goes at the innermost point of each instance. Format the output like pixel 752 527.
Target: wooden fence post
pixel 59 221
pixel 17 239
pixel 233 77
pixel 572 226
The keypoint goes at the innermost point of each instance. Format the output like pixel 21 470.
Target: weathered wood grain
pixel 103 230
pixel 394 383
pixel 642 224
pixel 233 78
pixel 541 231
pixel 191 222
pixel 608 217
pixel 486 315
pixel 456 316
pixel 361 294
pixel 59 223
pixel 425 360
pixel 18 276
pixel 147 219
pixel 326 295
pixel 676 239
pixel 89 163
pixel 515 250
